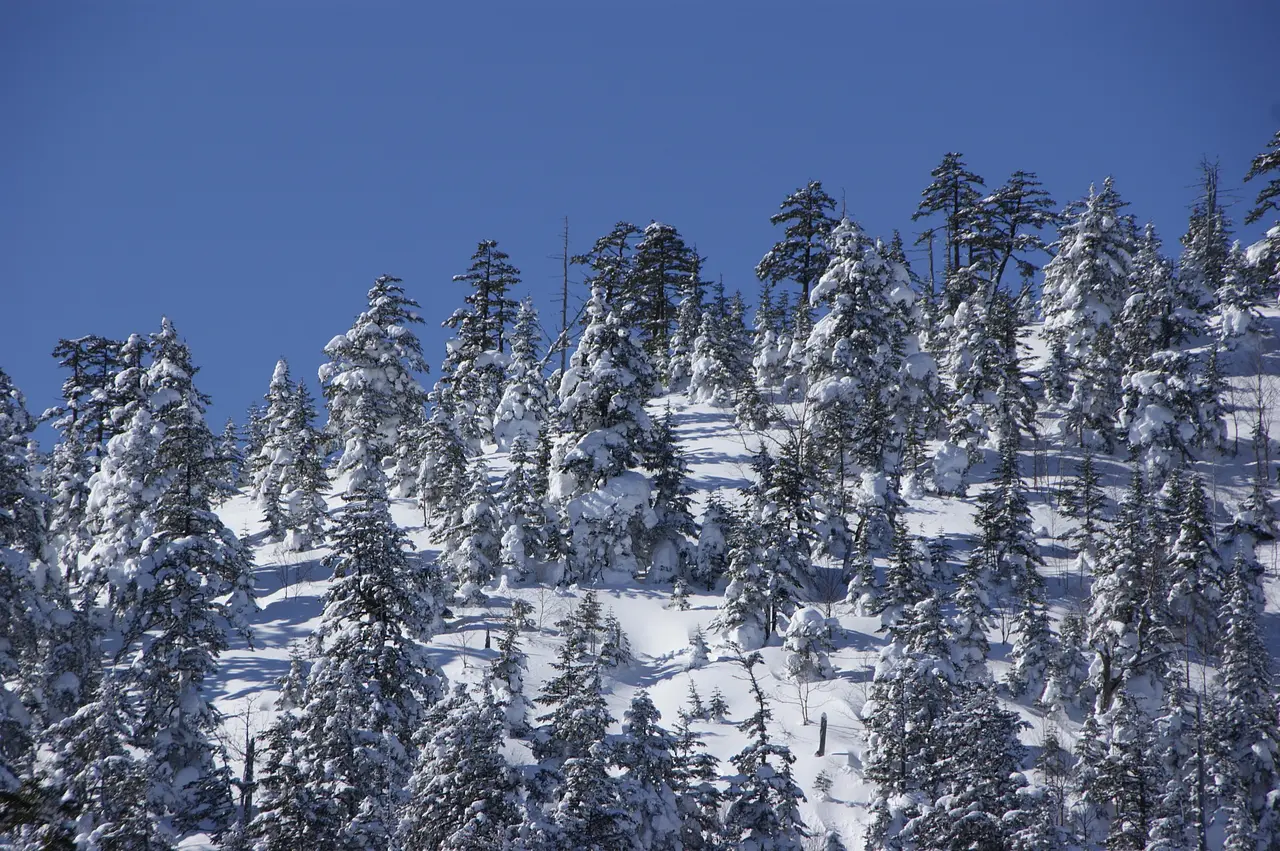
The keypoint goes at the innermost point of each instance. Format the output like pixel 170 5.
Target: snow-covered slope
pixel 291 586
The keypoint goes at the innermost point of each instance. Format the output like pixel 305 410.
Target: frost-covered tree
pixel 578 716
pixel 442 475
pixel 462 793
pixel 862 360
pixel 1197 577
pixel 694 775
pixel 661 270
pixel 1068 670
pixel 505 677
pixel 688 326
pixel 1128 628
pixel 230 460
pixel 1082 499
pixel 1085 286
pixel 603 427
pixel 522 516
pixel 277 452
pixel 771 340
pixel 808 643
pixel 372 372
pixel 802 253
pixel 610 261
pixel 525 403
pixel 491 278
pixel 1121 776
pixel 763 811
pixel 305 481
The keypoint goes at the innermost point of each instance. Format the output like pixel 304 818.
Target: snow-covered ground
pixel 291 586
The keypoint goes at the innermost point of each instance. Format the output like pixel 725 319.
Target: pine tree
pixel 978 775
pixel 807 643
pixel 711 558
pixel 1068 670
pixel 305 480
pixel 277 452
pixel 763 812
pixel 1197 577
pixel 523 516
pixel 591 813
pixel 1082 499
pixel 1126 779
pixel 473 547
pixel 462 793
pixel 442 476
pixel 611 262
pixel 371 373
pixel 1085 287
pixel 689 325
pixel 525 403
pixel 801 255
pixel 1269 195
pixel 505 677
pixel 905 580
pixel 491 278
pixel 1128 627
pixel 230 461
pixel 579 717
pixel 771 341
pixel 694 773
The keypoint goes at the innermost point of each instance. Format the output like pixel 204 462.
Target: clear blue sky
pixel 249 168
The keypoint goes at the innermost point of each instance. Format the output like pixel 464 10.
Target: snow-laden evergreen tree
pixel 189 589
pixel 695 772
pixel 763 811
pixel 522 516
pixel 1068 670
pixel 462 794
pixel 1180 748
pixel 808 643
pixel 771 341
pixel 442 475
pixel 1128 627
pixel 802 253
pixel 305 481
pixel 864 366
pixel 371 372
pixel 1085 286
pixel 1034 647
pixel 615 647
pixel 978 775
pixel 662 268
pixel 277 452
pixel 474 546
pixel 603 427
pixel 505 677
pixel 579 717
pixel 610 261
pixel 371 681
pixel 1007 545
pixel 1248 738
pixel 525 404
pixel 1264 255
pixel 668 546
pixel 646 754
pixel 688 326
pixel 1121 776
pixel 491 277
pixel 99 780
pixel 712 380
pixel 1197 577
pixel 906 580
pixel 1163 385
pixel 230 461
pixel 712 556
pixel 591 812
pixel 1082 499
pixel 974 610
pixel 24 609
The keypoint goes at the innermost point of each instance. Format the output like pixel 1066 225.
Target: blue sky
pixel 249 168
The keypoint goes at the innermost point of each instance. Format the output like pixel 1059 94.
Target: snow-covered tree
pixel 802 253
pixel 645 753
pixel 371 681
pixel 1085 286
pixel 807 643
pixel 712 556
pixel 462 793
pixel 277 452
pixel 305 480
pixel 372 372
pixel 442 475
pixel 603 427
pixel 668 545
pixel 473 547
pixel 763 812
pixel 525 404
pixel 661 270
pixel 505 677
pixel 523 516
pixel 688 326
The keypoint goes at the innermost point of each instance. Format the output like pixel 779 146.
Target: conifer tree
pixel 277 452
pixel 1085 287
pixel 689 322
pixel 230 460
pixel 669 542
pixel 611 262
pixel 591 813
pixel 305 480
pixel 694 774
pixel 371 373
pixel 491 277
pixel 442 476
pixel 474 545
pixel 954 193
pixel 712 557
pixel 525 403
pixel 802 253
pixel 370 682
pixel 523 516
pixel 645 753
pixel 505 677
pixel 579 717
pixel 662 269
pixel 1082 499
pixel 763 812
pixel 462 793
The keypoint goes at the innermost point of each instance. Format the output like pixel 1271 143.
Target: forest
pixel 993 532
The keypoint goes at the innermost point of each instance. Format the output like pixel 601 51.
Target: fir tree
pixel 591 814
pixel 1085 286
pixel 579 718
pixel 662 269
pixel 305 480
pixel 801 255
pixel 525 403
pixel 689 324
pixel 491 278
pixel 1264 164
pixel 763 812
pixel 522 515
pixel 462 793
pixel 668 545
pixel 505 677
pixel 694 773
pixel 611 262
pixel 1082 499
pixel 711 558
pixel 474 545
pixel 807 643
pixel 645 753
pixel 276 454
pixel 442 476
